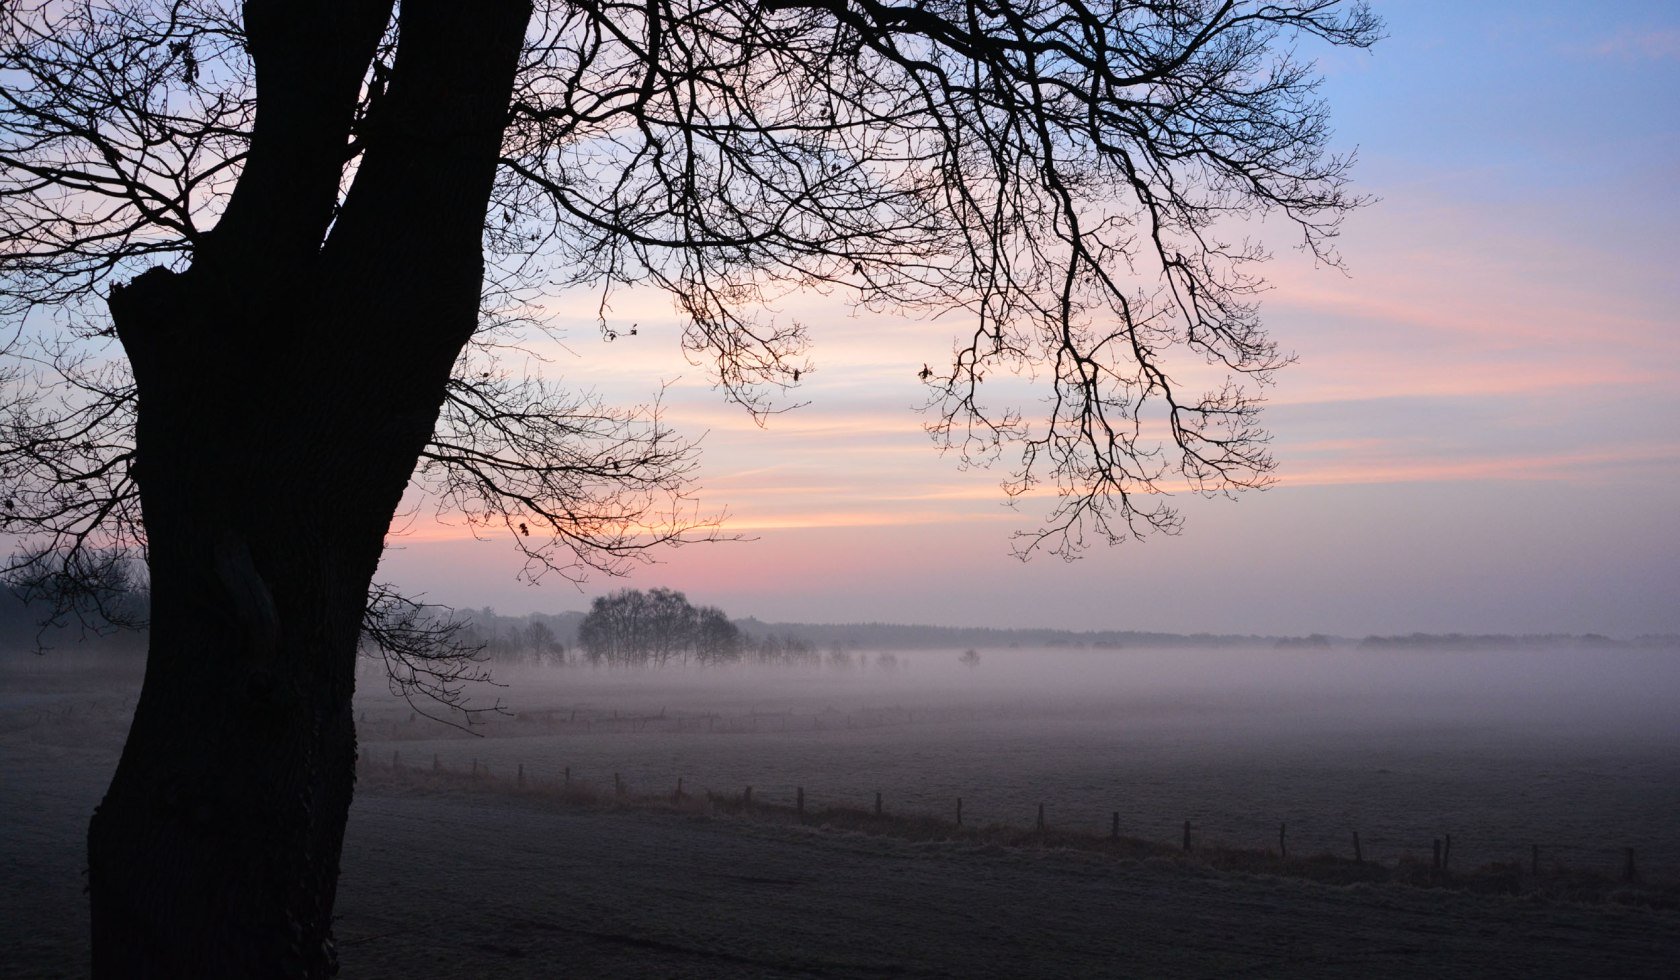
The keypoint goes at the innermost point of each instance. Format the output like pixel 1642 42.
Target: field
pixel 1575 752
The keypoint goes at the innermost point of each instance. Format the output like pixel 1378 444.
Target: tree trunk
pixel 215 853
pixel 283 396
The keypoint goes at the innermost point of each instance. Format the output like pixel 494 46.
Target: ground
pixel 458 883
pixel 488 889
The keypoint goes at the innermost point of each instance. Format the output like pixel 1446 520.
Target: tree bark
pixel 284 395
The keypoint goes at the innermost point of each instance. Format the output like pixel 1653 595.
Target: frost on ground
pixel 472 886
pixel 518 892
pixel 1574 752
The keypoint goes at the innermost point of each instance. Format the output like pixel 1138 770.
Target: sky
pixel 1482 433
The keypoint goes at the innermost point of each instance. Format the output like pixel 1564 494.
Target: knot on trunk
pixel 248 594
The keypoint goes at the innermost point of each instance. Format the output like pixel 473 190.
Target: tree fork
pixel 309 57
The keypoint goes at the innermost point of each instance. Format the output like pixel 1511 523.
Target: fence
pixel 1618 865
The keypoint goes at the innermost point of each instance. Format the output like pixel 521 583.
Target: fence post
pixel 877 803
pixel 1187 837
pixel 1283 843
pixel 678 797
pixel 959 811
pixel 396 763
pixel 1358 855
pixel 746 798
pixel 436 765
pixel 1629 874
pixel 475 767
pixel 522 775
pixel 1114 827
pixel 618 785
pixel 799 801
pixel 1041 819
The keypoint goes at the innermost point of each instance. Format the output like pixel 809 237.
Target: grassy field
pixel 448 874
pixel 1504 752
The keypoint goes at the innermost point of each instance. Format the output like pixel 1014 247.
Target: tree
pixel 632 627
pixel 716 639
pixel 300 224
pixel 611 633
pixel 539 643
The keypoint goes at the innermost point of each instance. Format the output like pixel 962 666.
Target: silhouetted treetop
pixel 1068 177
pixel 1059 173
pixel 632 627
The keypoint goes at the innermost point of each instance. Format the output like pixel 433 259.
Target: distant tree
pixel 716 639
pixel 632 627
pixel 783 649
pixel 839 657
pixel 610 633
pixel 970 658
pixel 669 626
pixel 258 251
pixel 539 644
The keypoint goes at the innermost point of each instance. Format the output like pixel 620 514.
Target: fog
pixel 1572 748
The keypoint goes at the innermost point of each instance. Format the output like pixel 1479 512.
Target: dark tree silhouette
pixel 632 627
pixel 303 223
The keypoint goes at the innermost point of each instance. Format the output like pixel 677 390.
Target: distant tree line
pixel 27 627
pixel 1484 641
pixel 85 599
pixel 509 639
pixel 908 636
pixel 657 627
pixel 660 626
pixel 779 648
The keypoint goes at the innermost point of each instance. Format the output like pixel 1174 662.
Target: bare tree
pixel 632 627
pixel 252 256
pixel 716 639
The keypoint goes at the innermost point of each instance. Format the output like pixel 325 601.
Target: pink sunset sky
pixel 1482 433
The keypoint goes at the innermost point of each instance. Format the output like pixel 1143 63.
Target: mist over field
pixel 1571 747
pixel 559 812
